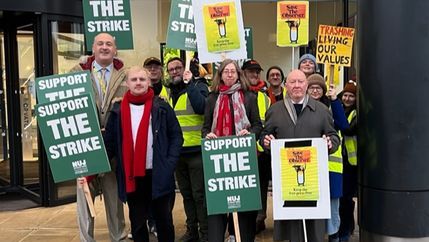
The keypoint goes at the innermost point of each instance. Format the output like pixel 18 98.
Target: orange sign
pixel 298 155
pixel 219 11
pixel 292 11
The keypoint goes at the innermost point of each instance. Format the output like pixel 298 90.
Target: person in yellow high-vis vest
pixel 252 71
pixel 154 66
pixel 347 205
pixel 317 89
pixel 187 97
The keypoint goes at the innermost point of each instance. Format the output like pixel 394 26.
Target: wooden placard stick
pixel 236 227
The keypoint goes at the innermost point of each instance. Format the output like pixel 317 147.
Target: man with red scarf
pixel 108 75
pixel 252 71
pixel 144 136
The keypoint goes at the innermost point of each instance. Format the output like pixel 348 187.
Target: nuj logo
pixel 79 166
pixel 234 201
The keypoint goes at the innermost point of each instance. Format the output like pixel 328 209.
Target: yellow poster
pixel 299 174
pixel 292 23
pixel 221 27
pixel 334 45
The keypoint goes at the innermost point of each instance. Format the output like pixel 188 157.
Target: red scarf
pixel 257 87
pixel 134 160
pixel 223 115
pixel 272 96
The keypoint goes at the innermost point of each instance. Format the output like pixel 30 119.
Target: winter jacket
pixel 167 144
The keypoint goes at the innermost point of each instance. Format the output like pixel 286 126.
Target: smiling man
pixel 108 75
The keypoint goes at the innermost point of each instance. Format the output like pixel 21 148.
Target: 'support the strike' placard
pixel 181 30
pixel 231 174
pixel 72 138
pixel 110 16
pixel 55 87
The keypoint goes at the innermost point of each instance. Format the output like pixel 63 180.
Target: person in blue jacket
pixel 144 137
pixel 317 90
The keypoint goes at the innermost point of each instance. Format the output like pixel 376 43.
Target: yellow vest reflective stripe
pixel 351 142
pixel 335 160
pixel 164 93
pixel 190 122
pixel 263 104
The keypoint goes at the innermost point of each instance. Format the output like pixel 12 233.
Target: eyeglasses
pixel 316 88
pixel 232 72
pixel 275 75
pixel 177 69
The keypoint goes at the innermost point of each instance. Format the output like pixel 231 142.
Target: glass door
pixel 4 155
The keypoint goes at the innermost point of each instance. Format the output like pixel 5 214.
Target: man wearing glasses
pixel 187 97
pixel 154 66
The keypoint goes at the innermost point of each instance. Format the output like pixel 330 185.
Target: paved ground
pixel 58 224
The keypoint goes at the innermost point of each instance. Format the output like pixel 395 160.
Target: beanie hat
pixel 351 87
pixel 317 79
pixel 309 57
pixel 277 68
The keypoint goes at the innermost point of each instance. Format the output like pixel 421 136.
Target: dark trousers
pixel 190 177
pixel 247 223
pixel 140 203
pixel 264 165
pixel 347 205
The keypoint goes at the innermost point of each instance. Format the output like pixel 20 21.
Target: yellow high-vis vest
pixel 164 93
pixel 190 122
pixel 335 160
pixel 351 142
pixel 264 103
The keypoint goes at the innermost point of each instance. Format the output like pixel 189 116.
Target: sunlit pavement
pixel 58 224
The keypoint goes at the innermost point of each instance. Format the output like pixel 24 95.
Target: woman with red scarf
pixel 231 110
pixel 143 136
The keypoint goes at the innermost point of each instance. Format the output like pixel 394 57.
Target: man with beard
pixel 187 97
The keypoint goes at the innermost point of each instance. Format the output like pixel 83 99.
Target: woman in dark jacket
pixel 144 137
pixel 231 110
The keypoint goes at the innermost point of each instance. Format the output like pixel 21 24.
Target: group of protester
pixel 152 133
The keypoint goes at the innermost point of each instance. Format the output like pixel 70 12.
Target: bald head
pixel 296 85
pixel 104 49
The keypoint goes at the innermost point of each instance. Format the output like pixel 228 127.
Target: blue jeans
pixel 333 224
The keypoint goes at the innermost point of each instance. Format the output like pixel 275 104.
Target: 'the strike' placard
pixel 231 174
pixel 72 138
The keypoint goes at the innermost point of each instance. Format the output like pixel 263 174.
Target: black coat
pixel 167 144
pixel 252 113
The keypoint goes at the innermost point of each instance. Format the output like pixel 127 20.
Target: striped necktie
pixel 102 81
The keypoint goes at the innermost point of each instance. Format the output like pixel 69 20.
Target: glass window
pixel 67 47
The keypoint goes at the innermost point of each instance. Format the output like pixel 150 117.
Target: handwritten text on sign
pixel 334 45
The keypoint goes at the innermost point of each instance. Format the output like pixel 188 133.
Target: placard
pixel 300 179
pixel 231 175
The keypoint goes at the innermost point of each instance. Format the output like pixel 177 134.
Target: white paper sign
pixel 201 14
pixel 291 209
